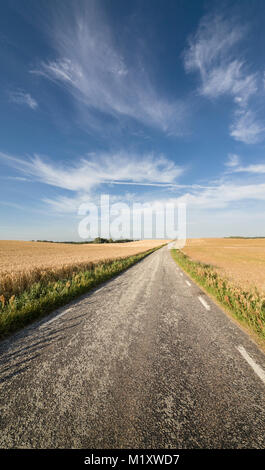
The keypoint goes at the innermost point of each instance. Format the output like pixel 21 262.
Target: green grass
pixel 247 306
pixel 45 296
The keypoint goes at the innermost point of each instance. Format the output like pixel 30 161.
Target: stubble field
pixel 242 261
pixel 232 271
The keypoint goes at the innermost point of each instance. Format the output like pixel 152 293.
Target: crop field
pixel 18 256
pixel 242 261
pixel 38 277
pixel 233 272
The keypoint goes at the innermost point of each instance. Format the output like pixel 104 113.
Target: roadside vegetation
pixel 242 260
pixel 246 305
pixel 27 296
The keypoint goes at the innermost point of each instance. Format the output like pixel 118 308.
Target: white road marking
pixel 188 283
pixel 181 274
pixel 257 369
pixel 204 303
pixel 56 317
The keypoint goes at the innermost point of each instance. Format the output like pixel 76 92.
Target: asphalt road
pixel 141 362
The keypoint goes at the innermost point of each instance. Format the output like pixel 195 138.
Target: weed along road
pixel 145 361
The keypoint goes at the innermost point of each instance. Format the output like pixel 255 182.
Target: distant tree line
pixel 110 240
pixel 96 240
pixel 245 238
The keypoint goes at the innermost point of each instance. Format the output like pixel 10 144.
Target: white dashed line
pixel 204 303
pixel 181 274
pixel 257 369
pixel 188 283
pixel 55 318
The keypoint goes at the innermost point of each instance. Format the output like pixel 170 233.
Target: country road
pixel 145 361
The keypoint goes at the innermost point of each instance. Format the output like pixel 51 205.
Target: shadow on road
pixel 18 361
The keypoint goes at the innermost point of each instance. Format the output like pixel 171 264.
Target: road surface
pixel 145 361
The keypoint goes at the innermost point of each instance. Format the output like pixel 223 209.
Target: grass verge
pixel 56 290
pixel 246 306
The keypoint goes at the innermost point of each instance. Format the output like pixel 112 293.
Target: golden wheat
pixel 25 263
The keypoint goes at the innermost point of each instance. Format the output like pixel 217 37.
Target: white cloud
pixel 246 128
pixel 20 97
pixel 213 52
pixel 85 177
pixel 223 195
pixel 258 168
pixel 66 205
pixel 233 160
pixel 229 79
pixel 97 169
pixel 90 65
pixel 70 205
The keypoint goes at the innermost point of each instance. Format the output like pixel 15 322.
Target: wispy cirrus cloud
pixel 101 78
pixel 22 98
pixel 233 160
pixel 234 165
pixel 95 169
pixel 85 178
pixel 247 128
pixel 213 51
pixel 223 195
pixel 258 169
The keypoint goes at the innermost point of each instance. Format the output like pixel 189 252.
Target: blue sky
pixel 144 100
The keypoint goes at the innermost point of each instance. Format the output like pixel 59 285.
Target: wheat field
pixel 38 277
pixel 242 261
pixel 17 256
pixel 24 263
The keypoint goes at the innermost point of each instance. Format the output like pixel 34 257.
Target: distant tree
pixel 101 240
